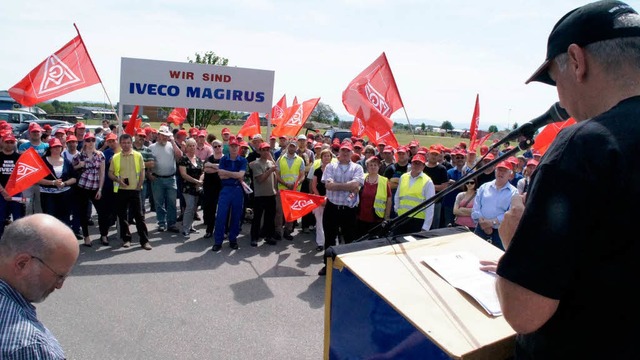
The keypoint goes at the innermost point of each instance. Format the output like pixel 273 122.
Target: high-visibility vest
pixel 290 174
pixel 380 201
pixel 411 196
pixel 115 162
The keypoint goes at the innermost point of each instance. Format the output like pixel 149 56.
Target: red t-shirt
pixel 366 211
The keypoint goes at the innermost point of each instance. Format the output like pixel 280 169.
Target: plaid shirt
pixel 90 174
pixel 339 173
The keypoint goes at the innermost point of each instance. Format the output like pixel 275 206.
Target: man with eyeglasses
pixel 37 253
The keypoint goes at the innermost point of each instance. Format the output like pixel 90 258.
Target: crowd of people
pixel 180 174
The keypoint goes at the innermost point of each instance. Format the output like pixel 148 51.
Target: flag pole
pixel 101 83
pixel 393 78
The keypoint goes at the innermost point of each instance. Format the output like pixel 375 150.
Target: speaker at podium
pixel 383 302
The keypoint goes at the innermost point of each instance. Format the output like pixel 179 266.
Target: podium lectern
pixel 385 303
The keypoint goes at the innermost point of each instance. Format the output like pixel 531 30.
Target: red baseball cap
pixel 60 131
pixel 181 132
pixel 80 125
pixel 419 158
pixel 388 148
pixel 140 133
pixel 265 145
pixel 226 131
pixel 9 137
pixel 202 133
pixel 504 165
pixel 533 162
pixel 111 136
pixel 34 127
pixel 54 142
pixel 346 145
pixel 89 135
pixel 233 141
pixel 47 127
pixel 74 138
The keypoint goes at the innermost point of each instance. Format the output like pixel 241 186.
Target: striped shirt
pixel 22 336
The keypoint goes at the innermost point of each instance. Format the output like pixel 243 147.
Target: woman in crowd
pixel 191 170
pixel 375 198
pixel 464 205
pixel 89 163
pixel 211 188
pixel 55 188
pixel 317 188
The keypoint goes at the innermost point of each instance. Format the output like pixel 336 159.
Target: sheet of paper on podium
pixel 462 270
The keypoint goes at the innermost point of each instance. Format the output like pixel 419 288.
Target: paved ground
pixel 182 301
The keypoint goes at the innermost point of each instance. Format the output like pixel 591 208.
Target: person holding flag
pixel 264 201
pixel 343 181
pixel 35 142
pixel 8 160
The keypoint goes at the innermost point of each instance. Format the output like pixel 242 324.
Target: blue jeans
pixel 165 195
pixel 494 238
pixel 230 202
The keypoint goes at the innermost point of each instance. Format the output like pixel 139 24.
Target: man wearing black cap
pixel 566 278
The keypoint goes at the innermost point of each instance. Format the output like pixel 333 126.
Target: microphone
pixel 554 114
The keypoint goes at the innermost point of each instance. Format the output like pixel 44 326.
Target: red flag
pixel 251 126
pixel 277 111
pixel 373 90
pixel 357 128
pixel 475 121
pixel 134 124
pixel 472 146
pixel 177 116
pixel 546 136
pixel 295 117
pixel 296 204
pixel 29 169
pixel 373 97
pixel 295 101
pixel 67 70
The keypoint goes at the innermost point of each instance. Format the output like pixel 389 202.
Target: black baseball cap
pixel 598 21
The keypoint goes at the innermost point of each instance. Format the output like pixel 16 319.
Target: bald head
pixel 37 252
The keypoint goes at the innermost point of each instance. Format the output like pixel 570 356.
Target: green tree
pixel 446 125
pixel 322 113
pixel 47 107
pixel 56 105
pixel 208 117
pixel 423 126
pixel 493 129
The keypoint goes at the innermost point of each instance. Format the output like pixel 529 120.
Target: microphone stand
pixel 386 227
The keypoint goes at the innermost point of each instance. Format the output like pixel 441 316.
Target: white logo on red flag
pixel 296 118
pixel 377 99
pixel 278 112
pixel 24 170
pixel 301 204
pixel 57 75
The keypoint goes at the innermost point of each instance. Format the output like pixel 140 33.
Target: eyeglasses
pixel 217 146
pixel 471 183
pixel 61 278
pixel 90 140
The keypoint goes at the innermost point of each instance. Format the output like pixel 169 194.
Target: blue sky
pixel 442 53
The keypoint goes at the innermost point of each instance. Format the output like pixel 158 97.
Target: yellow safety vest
pixel 115 162
pixel 289 175
pixel 380 201
pixel 411 196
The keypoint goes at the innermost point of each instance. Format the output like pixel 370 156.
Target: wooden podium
pixel 385 303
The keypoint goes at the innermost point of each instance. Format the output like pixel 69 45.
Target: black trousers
pixel 338 220
pixel 263 205
pixel 209 200
pixel 130 200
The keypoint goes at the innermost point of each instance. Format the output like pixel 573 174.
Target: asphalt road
pixel 182 301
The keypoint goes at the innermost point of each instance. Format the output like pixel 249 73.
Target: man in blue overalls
pixel 231 171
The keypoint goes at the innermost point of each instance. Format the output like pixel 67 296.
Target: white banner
pixel 195 86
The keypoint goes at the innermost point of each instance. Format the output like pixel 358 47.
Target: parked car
pixel 16 116
pixel 337 133
pixel 21 130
